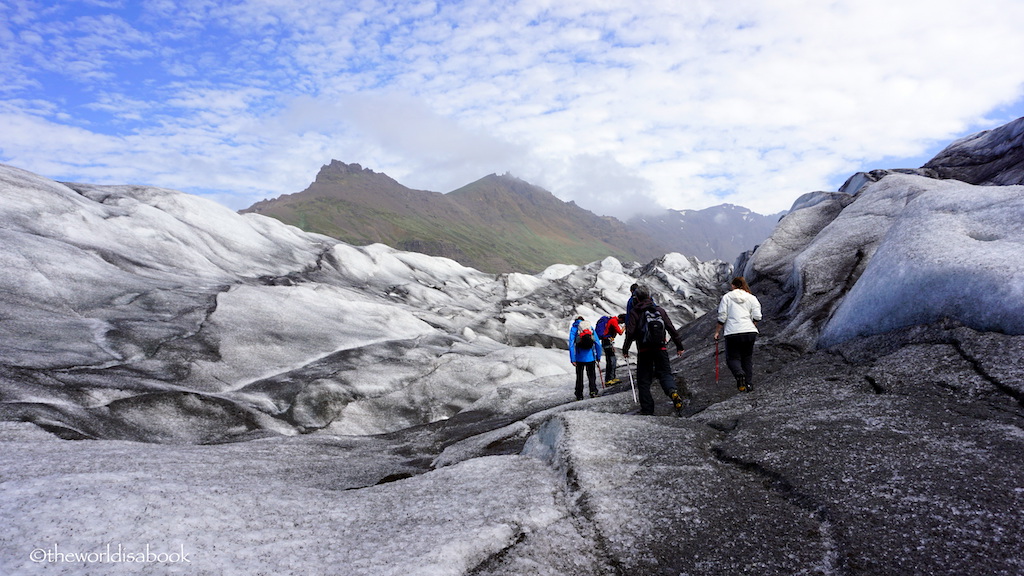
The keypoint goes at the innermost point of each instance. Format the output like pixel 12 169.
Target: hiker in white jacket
pixel 738 315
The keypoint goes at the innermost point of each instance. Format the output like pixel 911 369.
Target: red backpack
pixel 584 339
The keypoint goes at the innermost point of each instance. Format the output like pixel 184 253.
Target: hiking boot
pixel 613 381
pixel 594 394
pixel 677 402
pixel 741 383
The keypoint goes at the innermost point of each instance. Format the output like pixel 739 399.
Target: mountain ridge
pixel 498 223
pixel 718 232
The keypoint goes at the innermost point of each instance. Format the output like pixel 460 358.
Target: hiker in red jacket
pixel 612 328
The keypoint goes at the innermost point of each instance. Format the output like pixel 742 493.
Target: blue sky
pixel 616 105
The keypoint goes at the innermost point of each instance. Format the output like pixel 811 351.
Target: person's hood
pixel 739 296
pixel 645 303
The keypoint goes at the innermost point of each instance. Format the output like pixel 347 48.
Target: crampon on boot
pixel 677 402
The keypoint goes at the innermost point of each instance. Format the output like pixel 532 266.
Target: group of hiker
pixel 649 326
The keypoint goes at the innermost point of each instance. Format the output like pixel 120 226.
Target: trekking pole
pixel 604 382
pixel 716 360
pixel 631 385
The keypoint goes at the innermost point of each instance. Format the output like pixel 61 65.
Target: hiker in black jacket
pixel 647 324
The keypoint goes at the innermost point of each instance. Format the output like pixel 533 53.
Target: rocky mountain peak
pixel 339 167
pixel 339 171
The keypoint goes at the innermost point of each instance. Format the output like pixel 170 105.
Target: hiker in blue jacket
pixel 633 299
pixel 585 354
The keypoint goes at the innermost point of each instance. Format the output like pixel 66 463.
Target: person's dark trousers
pixel 591 376
pixel 739 355
pixel 651 364
pixel 609 354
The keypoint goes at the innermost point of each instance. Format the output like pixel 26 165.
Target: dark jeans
pixel 651 363
pixel 739 355
pixel 591 376
pixel 609 354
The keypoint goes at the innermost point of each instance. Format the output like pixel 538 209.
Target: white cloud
pixel 681 104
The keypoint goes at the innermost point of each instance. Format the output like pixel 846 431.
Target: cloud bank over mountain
pixel 681 106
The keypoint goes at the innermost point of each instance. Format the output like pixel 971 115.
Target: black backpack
pixel 652 327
